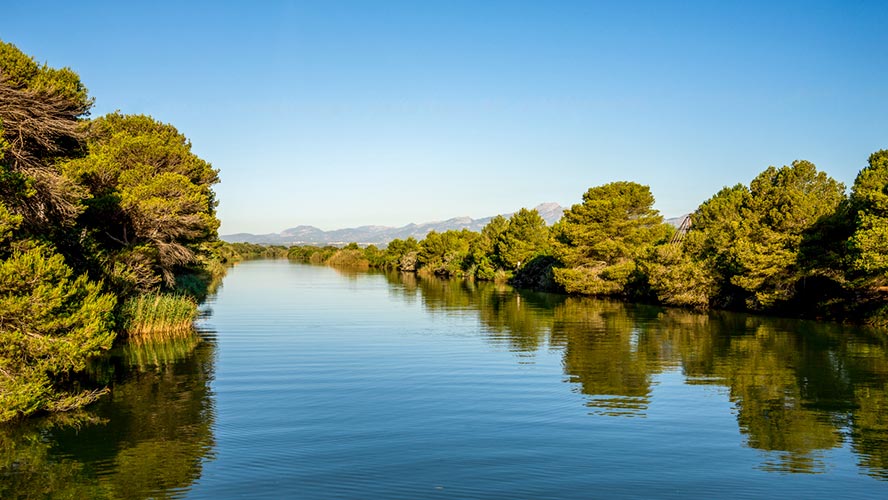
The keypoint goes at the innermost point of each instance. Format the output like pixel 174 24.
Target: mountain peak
pixel 379 235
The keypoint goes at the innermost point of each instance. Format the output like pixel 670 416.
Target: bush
pixel 350 258
pixel 51 323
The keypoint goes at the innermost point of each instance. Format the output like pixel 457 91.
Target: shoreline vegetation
pixel 791 243
pixel 108 233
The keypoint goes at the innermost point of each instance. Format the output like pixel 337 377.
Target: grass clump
pixel 158 314
pixel 349 258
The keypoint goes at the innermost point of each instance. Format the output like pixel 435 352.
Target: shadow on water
pixel 799 388
pixel 148 439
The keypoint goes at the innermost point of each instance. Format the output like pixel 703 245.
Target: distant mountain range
pixel 378 235
pixel 382 235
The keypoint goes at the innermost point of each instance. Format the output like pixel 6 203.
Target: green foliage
pixel 50 324
pixel 229 253
pixel 40 112
pixel 445 254
pixel 678 280
pixel 483 262
pixel 19 70
pixel 151 204
pixel 745 246
pixel 538 273
pixel 375 257
pixel 151 441
pixel 600 240
pixel 398 252
pixel 782 205
pixel 121 199
pixel 311 254
pixel 9 222
pixel 352 258
pixel 524 237
pixel 869 202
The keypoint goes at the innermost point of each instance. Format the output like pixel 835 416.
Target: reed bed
pixel 158 315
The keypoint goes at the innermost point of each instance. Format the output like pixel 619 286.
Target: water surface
pixel 310 382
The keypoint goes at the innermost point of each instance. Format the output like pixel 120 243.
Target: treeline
pixel 105 224
pixel 792 242
pixel 230 253
pixel 501 248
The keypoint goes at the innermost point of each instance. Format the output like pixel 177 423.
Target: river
pixel 311 382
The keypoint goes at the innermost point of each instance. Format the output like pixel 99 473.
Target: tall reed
pixel 158 315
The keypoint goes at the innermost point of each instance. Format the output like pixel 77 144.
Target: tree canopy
pixel 524 236
pixel 869 202
pixel 599 240
pixel 91 213
pixel 150 198
pixel 40 113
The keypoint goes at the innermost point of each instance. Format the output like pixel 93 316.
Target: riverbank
pixel 469 385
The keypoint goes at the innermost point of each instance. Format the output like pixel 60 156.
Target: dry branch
pixel 38 127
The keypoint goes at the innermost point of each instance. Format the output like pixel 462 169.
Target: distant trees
pixel 401 254
pixel 524 236
pixel 444 254
pixel 502 247
pixel 484 258
pixel 789 242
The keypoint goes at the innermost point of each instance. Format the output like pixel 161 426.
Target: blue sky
pixel 338 114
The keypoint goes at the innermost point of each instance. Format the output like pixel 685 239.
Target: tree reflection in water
pixel 149 438
pixel 800 388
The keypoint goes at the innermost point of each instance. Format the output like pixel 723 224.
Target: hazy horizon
pixel 456 216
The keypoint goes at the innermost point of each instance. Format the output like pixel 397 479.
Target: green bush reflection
pixel 148 439
pixel 800 388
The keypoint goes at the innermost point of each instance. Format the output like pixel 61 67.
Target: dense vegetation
pixel 230 253
pixel 791 242
pixel 94 214
pixel 108 225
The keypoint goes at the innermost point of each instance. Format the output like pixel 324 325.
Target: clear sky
pixel 338 114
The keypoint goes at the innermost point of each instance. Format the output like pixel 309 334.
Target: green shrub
pixel 51 323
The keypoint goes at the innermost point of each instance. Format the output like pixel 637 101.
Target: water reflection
pixel 608 354
pixel 148 438
pixel 799 388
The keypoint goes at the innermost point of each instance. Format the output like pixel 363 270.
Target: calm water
pixel 307 382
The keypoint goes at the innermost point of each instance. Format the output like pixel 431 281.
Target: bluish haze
pixel 340 114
